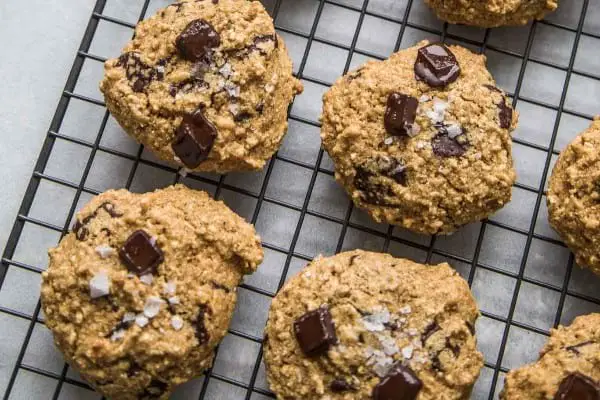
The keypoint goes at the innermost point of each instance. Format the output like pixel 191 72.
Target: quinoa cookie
pixel 363 325
pixel 206 84
pixel 142 290
pixel 574 197
pixel 491 13
pixel 422 139
pixel 568 367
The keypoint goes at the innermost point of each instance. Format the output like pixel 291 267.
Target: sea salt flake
pixel 141 320
pixel 375 322
pixel 405 310
pixel 234 108
pixel 421 144
pixel 232 90
pixel 388 140
pixel 129 317
pixel 152 306
pixel 160 69
pixel 170 288
pixel 388 344
pixel 105 251
pixel 173 300
pixel 100 285
pixel 382 365
pixel 153 240
pixel 454 130
pixel 407 352
pixel 420 358
pixel 414 130
pixel 412 332
pixel 424 98
pixel 176 322
pixel 147 279
pixel 269 87
pixel 183 172
pixel 226 70
pixel 118 334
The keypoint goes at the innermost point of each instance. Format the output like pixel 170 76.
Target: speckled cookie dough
pixel 422 139
pixel 206 84
pixel 363 325
pixel 574 197
pixel 568 367
pixel 142 290
pixel 491 13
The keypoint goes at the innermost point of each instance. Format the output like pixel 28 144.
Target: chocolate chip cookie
pixel 422 139
pixel 363 325
pixel 568 367
pixel 488 14
pixel 142 290
pixel 206 84
pixel 574 197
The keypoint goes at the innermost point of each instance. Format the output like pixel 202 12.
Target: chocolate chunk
pixel 436 364
pixel 353 258
pixel 371 192
pixel 493 88
pixel 219 286
pixel 201 333
pixel 455 349
pixel 260 107
pixel 575 348
pixel 505 113
pixel 134 369
pixel 110 209
pixel 187 86
pixel 578 387
pixel 471 327
pixel 194 139
pixel 155 390
pixel 400 114
pixel 139 74
pixel 140 254
pixel 197 40
pixel 81 232
pixel 400 383
pixel 315 331
pixel 242 116
pixel 443 146
pixel 429 330
pixel 255 46
pixel 80 227
pixel 436 65
pixel 339 386
pixel 122 325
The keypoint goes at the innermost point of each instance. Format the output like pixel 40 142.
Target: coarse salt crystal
pixel 176 159
pixel 407 352
pixel 269 87
pixel 232 89
pixel 183 172
pixel 405 310
pixel 382 366
pixel 153 240
pixel 424 98
pixel 100 285
pixel 176 322
pixel 147 279
pixel 141 320
pixel 226 70
pixel 105 251
pixel 170 288
pixel 160 69
pixel 129 317
pixel 421 144
pixel 412 332
pixel 152 306
pixel 388 140
pixel 118 334
pixel 454 130
pixel 388 344
pixel 439 105
pixel 173 300
pixel 414 130
pixel 234 108
pixel 375 322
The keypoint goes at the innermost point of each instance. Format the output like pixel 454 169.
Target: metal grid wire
pixel 249 387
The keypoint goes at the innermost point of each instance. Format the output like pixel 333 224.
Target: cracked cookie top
pixel 422 139
pixel 205 84
pixel 362 325
pixel 142 290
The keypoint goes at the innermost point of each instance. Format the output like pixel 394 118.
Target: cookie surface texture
pixel 363 325
pixel 574 197
pixel 143 289
pixel 204 84
pixel 422 139
pixel 491 13
pixel 567 368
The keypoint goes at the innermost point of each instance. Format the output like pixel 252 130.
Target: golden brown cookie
pixel 206 84
pixel 491 13
pixel 568 367
pixel 574 197
pixel 363 325
pixel 142 290
pixel 422 139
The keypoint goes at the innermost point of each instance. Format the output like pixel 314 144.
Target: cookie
pixel 206 84
pixel 422 139
pixel 138 295
pixel 574 197
pixel 489 14
pixel 364 325
pixel 568 367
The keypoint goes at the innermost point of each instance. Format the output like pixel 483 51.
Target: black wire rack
pixel 251 385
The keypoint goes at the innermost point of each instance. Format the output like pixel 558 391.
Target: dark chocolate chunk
pixel 339 386
pixel 371 192
pixel 471 327
pixel 493 88
pixel 140 254
pixel 219 286
pixel 187 86
pixel 81 232
pixel 353 258
pixel 242 116
pixel 315 331
pixel 429 330
pixel 139 74
pixel 201 333
pixel 260 107
pixel 400 114
pixel 455 349
pixel 155 390
pixel 436 65
pixel 110 209
pixel 436 364
pixel 197 40
pixel 578 387
pixel 80 227
pixel 575 348
pixel 444 146
pixel 505 113
pixel 122 325
pixel 400 383
pixel 134 369
pixel 255 46
pixel 194 139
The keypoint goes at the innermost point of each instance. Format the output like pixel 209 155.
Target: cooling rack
pixel 523 277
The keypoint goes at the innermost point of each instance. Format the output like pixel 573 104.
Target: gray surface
pixel 501 249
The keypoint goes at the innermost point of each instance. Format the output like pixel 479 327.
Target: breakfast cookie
pixel 489 14
pixel 568 367
pixel 206 84
pixel 363 325
pixel 142 290
pixel 422 139
pixel 574 197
